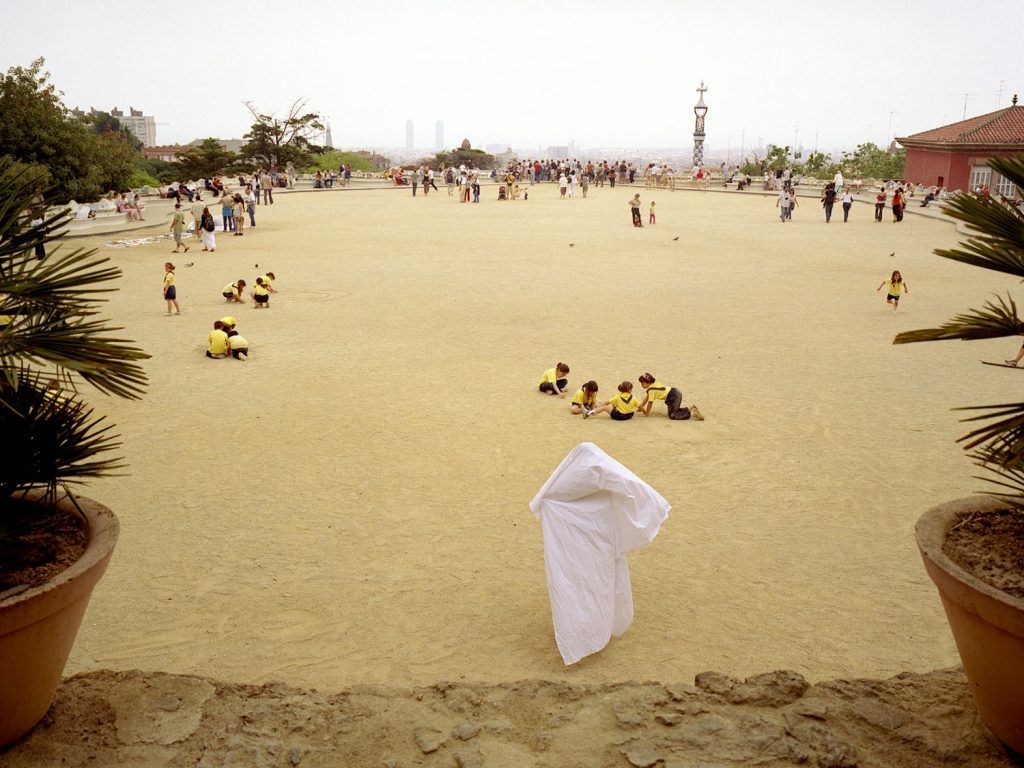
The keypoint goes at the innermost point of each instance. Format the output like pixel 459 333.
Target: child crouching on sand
pixel 238 346
pixel 233 292
pixel 261 295
pixel 554 380
pixel 585 399
pixel 621 407
pixel 217 342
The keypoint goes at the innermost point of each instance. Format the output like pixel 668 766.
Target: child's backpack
pixel 209 226
pixel 449 177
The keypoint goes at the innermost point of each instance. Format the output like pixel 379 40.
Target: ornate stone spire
pixel 698 129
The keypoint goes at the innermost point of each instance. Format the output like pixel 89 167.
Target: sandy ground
pixel 350 505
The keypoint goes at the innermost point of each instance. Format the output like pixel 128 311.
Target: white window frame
pixel 1005 188
pixel 980 176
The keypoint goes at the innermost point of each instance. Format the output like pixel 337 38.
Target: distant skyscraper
pixel 409 143
pixel 439 135
pixel 328 142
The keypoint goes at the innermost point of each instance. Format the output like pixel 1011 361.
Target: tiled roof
pixel 1005 126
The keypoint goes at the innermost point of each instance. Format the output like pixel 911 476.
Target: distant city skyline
pixel 812 75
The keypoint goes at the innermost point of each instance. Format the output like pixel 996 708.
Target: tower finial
pixel 1014 100
pixel 700 110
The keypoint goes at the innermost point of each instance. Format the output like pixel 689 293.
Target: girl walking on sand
pixel 170 291
pixel 896 285
pixel 847 204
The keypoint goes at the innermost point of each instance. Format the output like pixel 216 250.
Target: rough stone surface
pixel 161 710
pixel 429 739
pixel 465 730
pixel 642 756
pixel 776 720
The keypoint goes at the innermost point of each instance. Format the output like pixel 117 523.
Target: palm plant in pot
pixel 973 549
pixel 53 546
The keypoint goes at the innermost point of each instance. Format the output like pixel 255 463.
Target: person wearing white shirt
pixel 847 204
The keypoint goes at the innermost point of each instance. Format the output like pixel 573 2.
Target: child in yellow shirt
pixel 585 399
pixel 621 407
pixel 554 380
pixel 217 342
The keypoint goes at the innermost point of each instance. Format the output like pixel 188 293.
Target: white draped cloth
pixel 593 510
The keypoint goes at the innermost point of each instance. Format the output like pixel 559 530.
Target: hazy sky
pixel 533 73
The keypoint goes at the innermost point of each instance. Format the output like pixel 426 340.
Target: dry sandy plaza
pixel 350 505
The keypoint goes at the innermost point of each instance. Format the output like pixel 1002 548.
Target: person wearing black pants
pixel 828 199
pixel 634 205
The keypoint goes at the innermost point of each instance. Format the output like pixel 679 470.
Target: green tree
pixel 471 158
pixel 205 160
pixel 104 122
pixel 36 129
pixel 155 168
pixel 819 165
pixel 869 161
pixel 359 161
pixel 777 157
pixel 273 141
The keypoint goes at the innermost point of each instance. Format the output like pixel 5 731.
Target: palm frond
pixel 83 345
pixel 1001 439
pixel 50 437
pixel 51 335
pixel 995 319
pixel 1009 478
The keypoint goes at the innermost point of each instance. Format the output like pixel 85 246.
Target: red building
pixel 956 156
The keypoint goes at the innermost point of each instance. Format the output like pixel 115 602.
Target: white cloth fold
pixel 593 510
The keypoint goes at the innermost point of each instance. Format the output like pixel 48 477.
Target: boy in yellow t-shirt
pixel 622 406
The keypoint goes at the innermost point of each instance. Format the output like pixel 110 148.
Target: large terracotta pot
pixel 38 627
pixel 987 624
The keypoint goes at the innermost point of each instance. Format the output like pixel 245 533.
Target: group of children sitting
pixel 225 341
pixel 260 293
pixel 624 403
